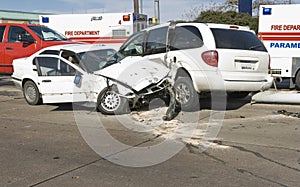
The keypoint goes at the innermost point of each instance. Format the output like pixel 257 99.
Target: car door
pixel 143 46
pixel 185 43
pixel 14 48
pixel 156 46
pixel 2 49
pixel 130 53
pixel 56 79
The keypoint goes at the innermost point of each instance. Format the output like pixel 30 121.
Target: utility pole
pixel 157 11
pixel 136 6
pixel 141 6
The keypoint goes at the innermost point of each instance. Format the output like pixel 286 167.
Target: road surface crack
pixel 263 157
pixel 92 162
pixel 260 177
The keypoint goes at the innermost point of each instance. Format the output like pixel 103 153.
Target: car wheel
pixel 110 102
pixel 186 95
pixel 297 80
pixel 31 93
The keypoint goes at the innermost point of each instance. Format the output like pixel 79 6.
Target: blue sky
pixel 169 9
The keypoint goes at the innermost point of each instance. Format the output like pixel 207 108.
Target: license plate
pixel 246 66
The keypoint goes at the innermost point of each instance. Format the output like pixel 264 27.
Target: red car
pixel 22 40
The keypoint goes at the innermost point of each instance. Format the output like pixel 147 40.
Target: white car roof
pixel 78 48
pixel 210 25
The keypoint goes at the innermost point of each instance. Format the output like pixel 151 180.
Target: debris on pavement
pixel 291 114
pixel 190 134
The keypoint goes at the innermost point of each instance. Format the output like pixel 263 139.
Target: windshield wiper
pixel 51 39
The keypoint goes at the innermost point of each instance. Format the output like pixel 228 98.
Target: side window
pixel 134 46
pixel 71 57
pixel 186 37
pixel 157 40
pixel 51 66
pixel 2 29
pixel 15 34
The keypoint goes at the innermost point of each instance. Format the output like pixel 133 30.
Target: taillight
pixel 210 57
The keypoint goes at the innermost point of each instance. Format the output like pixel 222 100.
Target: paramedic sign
pixel 284 36
pixel 279 26
pixel 285 27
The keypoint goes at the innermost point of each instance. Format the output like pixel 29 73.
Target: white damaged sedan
pixel 83 73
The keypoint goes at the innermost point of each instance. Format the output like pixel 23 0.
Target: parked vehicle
pixel 201 52
pixel 278 29
pixel 82 73
pixel 96 27
pixel 22 40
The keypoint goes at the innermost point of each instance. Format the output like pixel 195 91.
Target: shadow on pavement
pixel 205 104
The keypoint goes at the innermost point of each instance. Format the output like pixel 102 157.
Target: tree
pixel 229 17
pixel 227 13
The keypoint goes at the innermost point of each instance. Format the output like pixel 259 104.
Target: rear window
pixel 237 39
pixel 50 52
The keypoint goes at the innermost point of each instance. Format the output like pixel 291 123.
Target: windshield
pixel 47 34
pixel 95 60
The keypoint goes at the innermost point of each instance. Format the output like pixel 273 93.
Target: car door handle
pixel 9 48
pixel 46 80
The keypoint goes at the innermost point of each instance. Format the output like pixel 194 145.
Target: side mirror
pixel 77 79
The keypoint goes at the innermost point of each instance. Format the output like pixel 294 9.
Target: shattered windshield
pixel 47 34
pixel 95 60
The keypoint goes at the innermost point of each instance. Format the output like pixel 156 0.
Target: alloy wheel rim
pixel 30 93
pixel 111 101
pixel 183 93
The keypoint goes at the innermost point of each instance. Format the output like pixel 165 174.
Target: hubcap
pixel 183 93
pixel 30 93
pixel 111 101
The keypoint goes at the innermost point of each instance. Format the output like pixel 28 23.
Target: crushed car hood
pixel 137 74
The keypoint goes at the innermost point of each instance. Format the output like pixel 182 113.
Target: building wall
pixel 10 16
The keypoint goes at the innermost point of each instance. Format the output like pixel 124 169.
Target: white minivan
pixel 207 57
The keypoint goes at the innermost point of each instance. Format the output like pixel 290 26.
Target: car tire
pixel 110 102
pixel 186 95
pixel 31 93
pixel 297 80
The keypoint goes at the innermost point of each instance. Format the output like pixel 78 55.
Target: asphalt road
pixel 43 146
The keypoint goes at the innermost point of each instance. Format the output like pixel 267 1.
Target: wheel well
pixel 295 78
pixel 298 71
pixel 25 80
pixel 181 72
